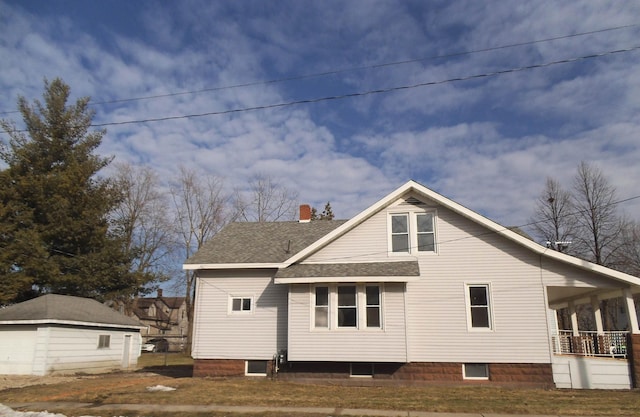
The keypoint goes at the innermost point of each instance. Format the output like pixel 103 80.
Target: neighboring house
pixel 414 288
pixel 56 334
pixel 164 318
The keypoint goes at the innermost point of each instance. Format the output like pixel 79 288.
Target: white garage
pixel 56 334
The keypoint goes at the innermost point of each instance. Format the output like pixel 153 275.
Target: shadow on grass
pixel 171 371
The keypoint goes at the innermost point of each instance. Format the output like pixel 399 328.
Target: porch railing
pixel 587 343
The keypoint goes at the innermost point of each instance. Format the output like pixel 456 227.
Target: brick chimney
pixel 305 213
pixel 159 292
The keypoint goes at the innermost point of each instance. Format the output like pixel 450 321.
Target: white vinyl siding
pixel 75 349
pixel 436 304
pixel 257 335
pixel 425 320
pixel 468 254
pixel 353 344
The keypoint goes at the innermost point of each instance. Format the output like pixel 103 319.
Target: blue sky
pixel 488 143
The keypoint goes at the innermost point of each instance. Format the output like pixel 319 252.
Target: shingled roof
pixel 55 308
pixel 371 269
pixel 270 242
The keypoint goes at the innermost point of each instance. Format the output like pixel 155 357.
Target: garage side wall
pixel 78 349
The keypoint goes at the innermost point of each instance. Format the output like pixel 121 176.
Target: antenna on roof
pixel 559 245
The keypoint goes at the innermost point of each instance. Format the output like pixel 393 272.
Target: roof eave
pixel 350 223
pixel 471 215
pixel 312 280
pixel 233 266
pixel 73 323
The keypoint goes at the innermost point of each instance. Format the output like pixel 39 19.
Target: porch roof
pixel 349 272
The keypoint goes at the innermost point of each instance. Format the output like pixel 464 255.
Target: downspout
pixel 406 324
pixel 546 312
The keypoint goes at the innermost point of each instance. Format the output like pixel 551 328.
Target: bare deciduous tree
pixel 553 218
pixel 201 211
pixel 143 216
pixel 628 257
pixel 266 201
pixel 599 226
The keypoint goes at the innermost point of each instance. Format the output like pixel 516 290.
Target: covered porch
pixel 593 333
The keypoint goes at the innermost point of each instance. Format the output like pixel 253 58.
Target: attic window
pixel 412 232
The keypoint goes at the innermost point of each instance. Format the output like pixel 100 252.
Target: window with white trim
pixel 256 368
pixel 479 306
pixel 475 371
pixel 240 305
pixel 322 307
pixel 104 341
pixel 347 306
pixel 400 233
pixel 412 232
pixel 372 295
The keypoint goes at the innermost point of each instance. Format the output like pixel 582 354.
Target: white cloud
pixel 487 143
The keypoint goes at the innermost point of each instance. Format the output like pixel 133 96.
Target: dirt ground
pixel 19 381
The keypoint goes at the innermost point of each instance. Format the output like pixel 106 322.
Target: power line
pixel 371 92
pixel 358 68
pixel 364 93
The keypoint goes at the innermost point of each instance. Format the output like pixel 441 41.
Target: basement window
pixel 256 368
pixel 479 371
pixel 361 370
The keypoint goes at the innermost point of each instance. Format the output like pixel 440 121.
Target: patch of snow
pixel 160 388
pixel 8 412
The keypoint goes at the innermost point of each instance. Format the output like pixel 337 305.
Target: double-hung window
pixel 412 232
pixel 400 233
pixel 425 232
pixel 372 293
pixel 347 306
pixel 322 307
pixel 479 306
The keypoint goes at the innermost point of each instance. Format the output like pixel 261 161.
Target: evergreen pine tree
pixel 55 234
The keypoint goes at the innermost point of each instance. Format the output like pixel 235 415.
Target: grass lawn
pixel 130 388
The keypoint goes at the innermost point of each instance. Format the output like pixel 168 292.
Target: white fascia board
pixel 73 323
pixel 311 280
pixel 535 247
pixel 231 266
pixel 350 224
pixel 412 186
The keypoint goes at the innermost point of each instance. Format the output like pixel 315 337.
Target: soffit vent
pixel 412 201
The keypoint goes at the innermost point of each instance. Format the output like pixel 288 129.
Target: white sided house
pixel 414 288
pixel 59 334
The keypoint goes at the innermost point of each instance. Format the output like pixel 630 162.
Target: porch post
pixel 574 318
pixel 631 310
pixel 597 313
